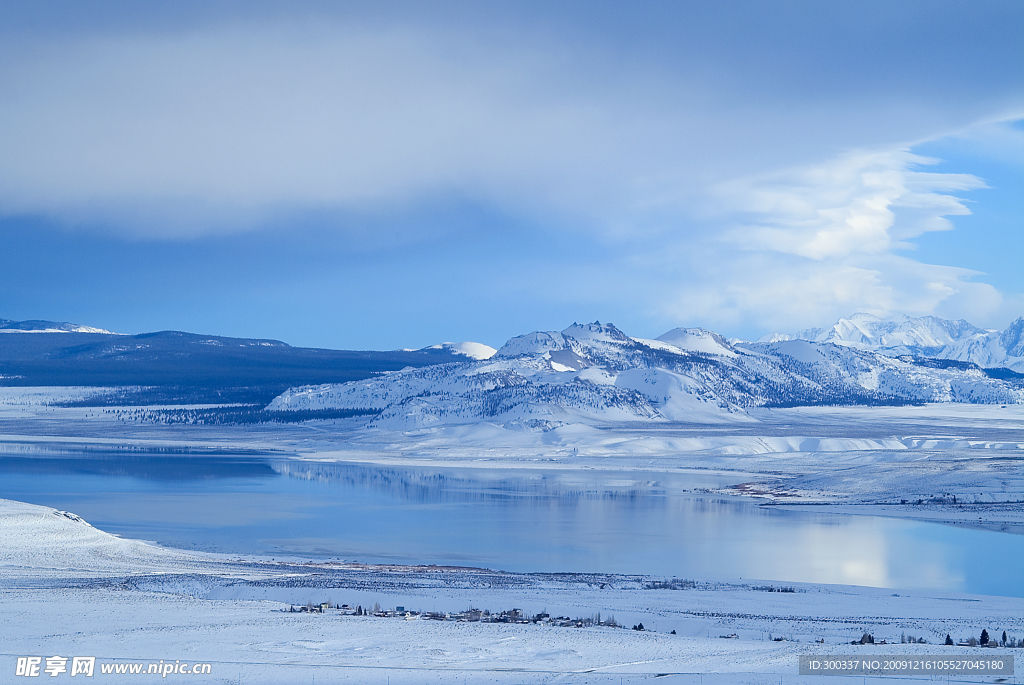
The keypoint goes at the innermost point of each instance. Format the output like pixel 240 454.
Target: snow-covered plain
pixel 44 397
pixel 70 589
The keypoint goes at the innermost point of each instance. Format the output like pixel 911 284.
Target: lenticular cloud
pixel 866 203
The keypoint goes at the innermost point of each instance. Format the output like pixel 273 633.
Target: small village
pixel 470 615
pixel 517 616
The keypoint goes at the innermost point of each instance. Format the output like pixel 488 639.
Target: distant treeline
pixel 175 394
pixel 234 416
pixel 850 400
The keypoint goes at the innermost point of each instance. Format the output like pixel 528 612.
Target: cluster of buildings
pixel 469 615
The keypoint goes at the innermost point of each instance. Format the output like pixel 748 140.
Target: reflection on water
pixel 486 485
pixel 528 520
pixel 131 461
pixel 134 466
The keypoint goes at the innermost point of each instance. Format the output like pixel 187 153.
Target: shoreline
pixel 777 477
pixel 1009 519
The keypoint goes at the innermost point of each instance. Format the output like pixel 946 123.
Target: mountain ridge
pixel 588 373
pixel 175 367
pixel 926 336
pixel 595 373
pixel 41 326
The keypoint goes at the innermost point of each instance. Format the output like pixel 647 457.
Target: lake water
pixel 519 520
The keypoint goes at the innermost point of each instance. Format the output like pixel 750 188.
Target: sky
pixel 388 175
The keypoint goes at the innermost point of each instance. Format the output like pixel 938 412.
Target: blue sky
pixel 387 175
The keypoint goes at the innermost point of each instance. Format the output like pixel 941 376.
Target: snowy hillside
pixel 473 350
pixel 8 326
pixel 596 373
pixel 927 336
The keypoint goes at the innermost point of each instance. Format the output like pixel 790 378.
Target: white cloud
pixel 766 294
pixel 847 206
pixel 823 241
pixel 234 124
pixel 222 129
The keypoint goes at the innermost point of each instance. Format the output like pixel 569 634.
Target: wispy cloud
pixel 814 243
pixel 846 206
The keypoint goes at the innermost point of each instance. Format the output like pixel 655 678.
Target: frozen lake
pixel 520 520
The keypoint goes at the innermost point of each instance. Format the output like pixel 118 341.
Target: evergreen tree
pixel 984 637
pixel 949 640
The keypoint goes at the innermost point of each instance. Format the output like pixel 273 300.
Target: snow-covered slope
pixel 926 336
pixel 872 377
pixel 473 350
pixel 41 538
pixel 596 373
pixel 698 340
pixel 8 326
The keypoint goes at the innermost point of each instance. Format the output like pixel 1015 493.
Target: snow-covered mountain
pixel 8 326
pixel 596 373
pixel 927 336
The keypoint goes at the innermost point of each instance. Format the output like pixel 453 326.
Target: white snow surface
pixel 52 542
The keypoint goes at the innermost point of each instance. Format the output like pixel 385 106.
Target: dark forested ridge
pixel 172 366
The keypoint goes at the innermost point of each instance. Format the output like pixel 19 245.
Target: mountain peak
pixel 473 350
pixel 925 336
pixel 596 332
pixel 540 342
pixel 698 340
pixel 532 343
pixel 1012 339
